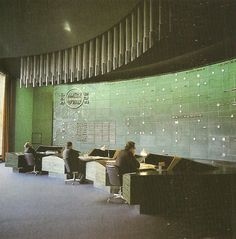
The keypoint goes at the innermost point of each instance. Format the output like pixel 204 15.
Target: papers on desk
pixel 19 153
pixel 50 152
pixel 146 166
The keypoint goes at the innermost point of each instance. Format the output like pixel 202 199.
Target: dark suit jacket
pixel 126 162
pixel 30 150
pixel 71 160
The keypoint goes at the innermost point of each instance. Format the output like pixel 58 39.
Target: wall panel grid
pixel 121 44
pixel 189 114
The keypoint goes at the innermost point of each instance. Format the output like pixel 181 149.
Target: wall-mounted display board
pixel 190 114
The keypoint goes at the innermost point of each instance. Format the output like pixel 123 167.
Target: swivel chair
pixel 72 167
pixel 115 180
pixel 30 161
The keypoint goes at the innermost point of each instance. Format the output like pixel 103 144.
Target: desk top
pixel 93 158
pixel 104 161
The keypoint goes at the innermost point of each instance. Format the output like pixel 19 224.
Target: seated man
pixel 28 148
pixel 72 162
pixel 126 161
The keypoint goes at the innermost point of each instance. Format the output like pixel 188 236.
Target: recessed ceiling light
pixel 67 27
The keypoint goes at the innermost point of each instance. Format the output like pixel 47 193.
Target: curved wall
pixel 189 114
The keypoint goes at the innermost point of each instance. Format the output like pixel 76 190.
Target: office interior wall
pixel 190 114
pixel 23 116
pixel 33 116
pixel 42 116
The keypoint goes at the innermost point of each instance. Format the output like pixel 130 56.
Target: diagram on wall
pixel 189 114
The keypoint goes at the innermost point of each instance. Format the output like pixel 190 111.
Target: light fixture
pixel 67 27
pixel 143 153
pixel 103 148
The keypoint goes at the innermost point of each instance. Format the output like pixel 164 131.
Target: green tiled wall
pixel 190 114
pixel 42 114
pixel 23 117
pixel 34 110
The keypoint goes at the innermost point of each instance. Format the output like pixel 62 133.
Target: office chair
pixel 72 167
pixel 114 180
pixel 30 161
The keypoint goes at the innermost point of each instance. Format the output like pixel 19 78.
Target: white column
pixel 127 40
pixel 133 36
pixel 98 57
pixel 91 58
pixel 109 51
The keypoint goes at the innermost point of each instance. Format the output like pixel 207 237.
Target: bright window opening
pixel 2 95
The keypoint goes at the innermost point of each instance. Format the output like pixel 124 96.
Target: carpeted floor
pixel 33 207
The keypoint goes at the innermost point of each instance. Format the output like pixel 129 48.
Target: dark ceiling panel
pixel 29 27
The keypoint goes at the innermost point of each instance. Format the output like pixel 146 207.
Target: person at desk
pixel 28 148
pixel 126 161
pixel 72 162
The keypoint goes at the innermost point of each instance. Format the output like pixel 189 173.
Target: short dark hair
pixel 68 144
pixel 129 145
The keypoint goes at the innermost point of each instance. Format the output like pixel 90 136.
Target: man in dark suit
pixel 126 161
pixel 72 162
pixel 28 148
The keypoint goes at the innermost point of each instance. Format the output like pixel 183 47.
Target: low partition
pixel 54 165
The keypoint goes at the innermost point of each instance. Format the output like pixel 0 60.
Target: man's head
pixel 130 146
pixel 69 145
pixel 28 145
